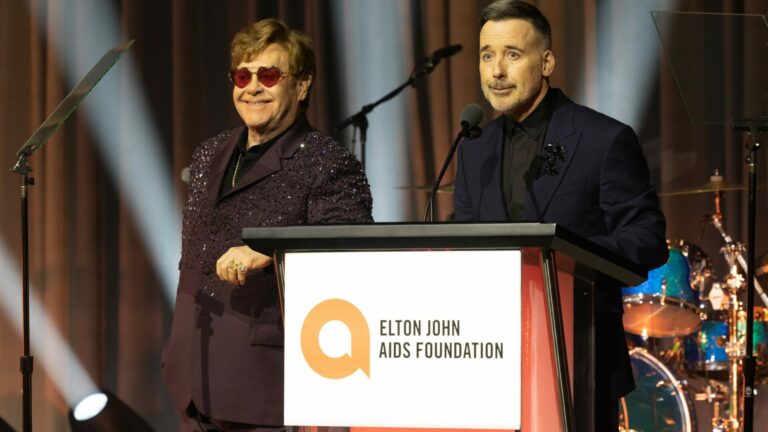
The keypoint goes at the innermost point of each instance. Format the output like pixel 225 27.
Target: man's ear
pixel 304 84
pixel 548 65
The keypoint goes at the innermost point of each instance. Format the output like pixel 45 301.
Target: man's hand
pixel 234 265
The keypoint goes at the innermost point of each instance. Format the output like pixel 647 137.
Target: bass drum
pixel 659 403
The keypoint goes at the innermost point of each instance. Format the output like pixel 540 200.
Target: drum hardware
pixel 735 254
pixel 712 392
pixel 714 348
pixel 716 298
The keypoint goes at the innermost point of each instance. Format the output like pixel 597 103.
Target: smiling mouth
pixel 257 103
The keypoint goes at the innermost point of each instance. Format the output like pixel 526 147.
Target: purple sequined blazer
pixel 225 350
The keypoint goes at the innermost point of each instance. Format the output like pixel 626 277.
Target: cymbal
pixel 716 186
pixel 446 188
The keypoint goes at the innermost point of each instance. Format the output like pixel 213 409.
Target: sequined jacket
pixel 225 348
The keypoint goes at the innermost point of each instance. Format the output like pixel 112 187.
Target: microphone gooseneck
pixel 470 119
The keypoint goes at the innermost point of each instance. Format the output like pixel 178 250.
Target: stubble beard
pixel 516 103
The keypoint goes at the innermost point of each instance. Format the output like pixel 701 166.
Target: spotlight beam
pixel 127 137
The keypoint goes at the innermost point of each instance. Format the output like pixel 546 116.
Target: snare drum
pixel 705 350
pixel 659 402
pixel 667 304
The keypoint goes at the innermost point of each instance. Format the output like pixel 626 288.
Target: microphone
pixel 445 52
pixel 470 118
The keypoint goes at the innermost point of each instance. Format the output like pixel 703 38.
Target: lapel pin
pixel 553 153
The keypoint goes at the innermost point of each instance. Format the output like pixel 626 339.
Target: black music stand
pixel 38 139
pixel 720 65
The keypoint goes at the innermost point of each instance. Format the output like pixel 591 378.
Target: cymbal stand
pixel 717 221
pixel 735 350
pixel 714 393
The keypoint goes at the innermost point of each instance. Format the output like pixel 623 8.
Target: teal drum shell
pixel 665 305
pixel 677 274
pixel 659 401
pixel 705 350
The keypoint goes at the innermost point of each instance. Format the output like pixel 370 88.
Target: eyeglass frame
pixel 231 73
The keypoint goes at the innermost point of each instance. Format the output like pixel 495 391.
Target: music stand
pixel 38 139
pixel 720 65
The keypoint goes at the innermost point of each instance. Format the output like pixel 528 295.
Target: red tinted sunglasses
pixel 267 76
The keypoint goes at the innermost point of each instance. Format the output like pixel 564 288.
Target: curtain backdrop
pixel 104 210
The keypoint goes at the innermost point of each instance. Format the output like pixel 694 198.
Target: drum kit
pixel 683 323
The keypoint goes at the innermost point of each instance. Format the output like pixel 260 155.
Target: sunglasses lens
pixel 268 76
pixel 241 77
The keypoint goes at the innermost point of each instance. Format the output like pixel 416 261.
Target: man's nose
pixel 499 68
pixel 254 86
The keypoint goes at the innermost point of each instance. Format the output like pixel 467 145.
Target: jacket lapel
pixel 560 132
pixel 220 161
pixel 270 162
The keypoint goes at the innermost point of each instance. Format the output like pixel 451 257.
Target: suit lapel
pixel 560 132
pixel 220 161
pixel 270 162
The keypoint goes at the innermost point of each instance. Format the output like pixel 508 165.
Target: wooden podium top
pixel 408 236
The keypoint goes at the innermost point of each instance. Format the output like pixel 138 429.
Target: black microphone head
pixel 471 116
pixel 446 51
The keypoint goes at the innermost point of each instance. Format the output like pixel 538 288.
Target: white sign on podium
pixel 424 339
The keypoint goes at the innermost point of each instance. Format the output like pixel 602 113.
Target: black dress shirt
pixel 243 159
pixel 522 142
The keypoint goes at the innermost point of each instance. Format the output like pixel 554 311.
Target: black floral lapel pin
pixel 552 153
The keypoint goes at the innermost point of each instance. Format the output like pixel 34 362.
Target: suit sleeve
pixel 342 195
pixel 462 202
pixel 630 204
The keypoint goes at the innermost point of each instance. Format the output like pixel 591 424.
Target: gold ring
pixel 241 268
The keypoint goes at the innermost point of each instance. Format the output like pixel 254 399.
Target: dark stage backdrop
pixel 105 207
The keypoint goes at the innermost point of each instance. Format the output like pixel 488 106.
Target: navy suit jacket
pixel 601 191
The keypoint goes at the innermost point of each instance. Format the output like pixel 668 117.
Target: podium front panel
pixel 539 386
pixel 425 339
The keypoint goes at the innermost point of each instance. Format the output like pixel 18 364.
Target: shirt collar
pixel 242 145
pixel 538 120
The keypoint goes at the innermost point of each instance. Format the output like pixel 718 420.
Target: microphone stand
pixel 429 213
pixel 359 119
pixel 27 361
pixel 753 126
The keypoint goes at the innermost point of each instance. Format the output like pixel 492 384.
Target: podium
pixel 550 258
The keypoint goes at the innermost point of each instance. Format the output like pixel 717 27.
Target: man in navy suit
pixel 548 159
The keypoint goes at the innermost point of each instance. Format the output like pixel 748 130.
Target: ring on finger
pixel 241 268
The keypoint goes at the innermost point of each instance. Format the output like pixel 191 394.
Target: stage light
pixel 105 412
pixel 50 349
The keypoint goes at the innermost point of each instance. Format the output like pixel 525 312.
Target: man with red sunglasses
pixel 223 361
